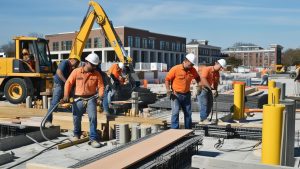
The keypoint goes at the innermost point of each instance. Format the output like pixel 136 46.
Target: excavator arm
pixel 96 12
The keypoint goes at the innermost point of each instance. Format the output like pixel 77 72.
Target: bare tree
pixel 9 49
pixel 291 56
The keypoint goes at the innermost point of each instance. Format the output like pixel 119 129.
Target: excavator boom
pixel 96 12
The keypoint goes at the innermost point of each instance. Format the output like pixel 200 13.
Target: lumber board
pixel 135 153
pixel 66 122
pixel 217 163
pixel 42 166
pixel 69 144
pixel 13 112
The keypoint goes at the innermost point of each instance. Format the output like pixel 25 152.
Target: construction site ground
pixel 74 154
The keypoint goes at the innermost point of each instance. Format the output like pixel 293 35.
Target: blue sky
pixel 221 22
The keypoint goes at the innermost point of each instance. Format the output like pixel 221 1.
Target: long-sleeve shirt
pixel 117 72
pixel 212 76
pixel 86 83
pixel 181 78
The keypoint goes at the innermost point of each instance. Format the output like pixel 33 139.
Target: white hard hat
pixel 93 59
pixel 222 62
pixel 121 65
pixel 191 57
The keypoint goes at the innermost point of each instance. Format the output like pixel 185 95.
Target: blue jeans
pixel 205 101
pixel 105 101
pixel 56 96
pixel 78 109
pixel 264 79
pixel 181 101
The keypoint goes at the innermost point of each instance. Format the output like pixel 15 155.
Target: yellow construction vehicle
pixel 18 78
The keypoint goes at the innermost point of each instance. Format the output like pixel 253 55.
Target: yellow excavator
pixel 96 13
pixel 18 79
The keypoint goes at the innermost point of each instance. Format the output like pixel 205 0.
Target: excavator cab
pixel 33 56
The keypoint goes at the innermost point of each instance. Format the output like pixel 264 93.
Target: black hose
pixel 220 143
pixel 21 162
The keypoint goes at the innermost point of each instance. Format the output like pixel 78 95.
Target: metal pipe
pixel 239 103
pixel 271 133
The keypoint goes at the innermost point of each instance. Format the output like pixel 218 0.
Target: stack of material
pixel 222 103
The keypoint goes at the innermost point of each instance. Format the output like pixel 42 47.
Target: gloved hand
pixel 99 101
pixel 65 99
pixel 215 93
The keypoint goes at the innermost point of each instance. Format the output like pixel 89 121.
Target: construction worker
pixel 62 73
pixel 297 81
pixel 115 73
pixel 178 82
pixel 87 82
pixel 28 60
pixel 210 77
pixel 264 76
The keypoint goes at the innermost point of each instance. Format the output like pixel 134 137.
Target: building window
pixel 162 45
pixel 178 47
pixel 151 43
pixel 107 44
pixel 66 45
pixel 173 46
pixel 145 44
pixel 137 42
pixel 167 46
pixel 55 46
pixel 88 43
pixel 183 47
pixel 130 41
pixel 97 43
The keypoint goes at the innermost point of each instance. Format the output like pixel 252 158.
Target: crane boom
pixel 97 13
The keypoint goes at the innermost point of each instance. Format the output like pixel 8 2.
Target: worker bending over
pixel 178 82
pixel 115 73
pixel 87 83
pixel 62 73
pixel 210 77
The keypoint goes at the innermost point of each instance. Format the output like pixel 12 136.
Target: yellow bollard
pixel 271 86
pixel 271 133
pixel 276 95
pixel 238 100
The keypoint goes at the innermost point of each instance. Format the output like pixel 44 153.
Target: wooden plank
pixel 13 112
pixel 135 153
pixel 140 120
pixel 250 90
pixel 69 144
pixel 66 122
pixel 42 166
pixel 216 163
pixel 256 93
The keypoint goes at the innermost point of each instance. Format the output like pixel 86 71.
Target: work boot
pixel 74 138
pixel 48 124
pixel 95 144
pixel 205 121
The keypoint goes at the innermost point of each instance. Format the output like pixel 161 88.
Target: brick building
pixel 256 56
pixel 207 54
pixel 142 45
